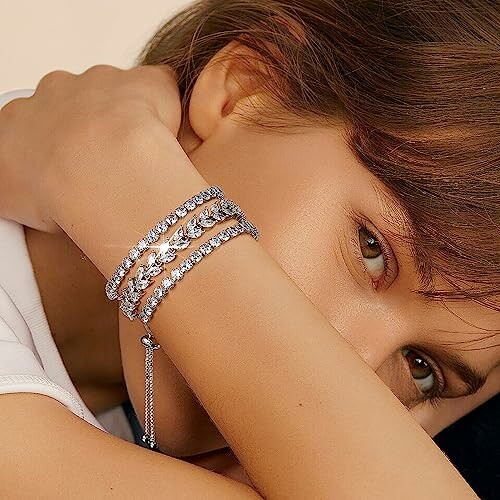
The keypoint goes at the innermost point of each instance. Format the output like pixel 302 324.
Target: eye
pixel 377 256
pixel 425 373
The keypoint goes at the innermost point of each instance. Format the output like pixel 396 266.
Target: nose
pixel 375 337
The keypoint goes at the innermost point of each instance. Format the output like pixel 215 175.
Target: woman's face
pixel 301 190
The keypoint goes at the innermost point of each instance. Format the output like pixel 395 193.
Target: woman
pixel 366 194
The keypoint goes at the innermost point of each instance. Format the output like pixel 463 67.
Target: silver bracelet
pixel 153 236
pixel 160 292
pixel 167 252
pixel 176 274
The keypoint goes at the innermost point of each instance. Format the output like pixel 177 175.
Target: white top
pixel 29 358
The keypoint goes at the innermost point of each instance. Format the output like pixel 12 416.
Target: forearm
pixel 304 414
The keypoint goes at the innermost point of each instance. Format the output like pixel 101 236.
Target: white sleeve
pixel 21 371
pixel 5 97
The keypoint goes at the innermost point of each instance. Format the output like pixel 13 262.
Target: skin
pixel 291 370
pixel 305 227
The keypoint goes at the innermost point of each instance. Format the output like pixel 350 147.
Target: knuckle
pixel 101 68
pixel 52 78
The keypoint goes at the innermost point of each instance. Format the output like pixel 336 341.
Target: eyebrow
pixel 386 204
pixel 473 378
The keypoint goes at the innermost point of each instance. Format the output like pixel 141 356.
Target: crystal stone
pixel 167 283
pixel 198 199
pixel 134 254
pixel 171 219
pixel 181 211
pixel 127 263
pixel 205 220
pixel 151 259
pixel 205 249
pixel 178 240
pixel 227 207
pixel 206 195
pixel 142 245
pixel 186 265
pixel 162 226
pixel 142 281
pixel 216 212
pixel 166 254
pixel 176 274
pixel 190 204
pixel 196 256
pixel 154 271
pixel 223 235
pixel 214 241
pixel 193 230
pixel 152 236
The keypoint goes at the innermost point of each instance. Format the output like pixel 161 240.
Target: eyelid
pixel 391 267
pixel 436 370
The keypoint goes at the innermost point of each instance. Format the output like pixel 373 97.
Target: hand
pixel 42 136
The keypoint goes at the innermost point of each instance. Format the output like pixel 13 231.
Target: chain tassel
pixel 150 345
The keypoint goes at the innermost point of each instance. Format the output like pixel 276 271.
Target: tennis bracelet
pixel 222 209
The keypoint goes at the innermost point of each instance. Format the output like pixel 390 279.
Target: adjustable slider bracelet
pixel 153 236
pixel 160 292
pixel 167 252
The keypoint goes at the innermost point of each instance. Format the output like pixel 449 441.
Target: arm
pixel 305 416
pixel 58 455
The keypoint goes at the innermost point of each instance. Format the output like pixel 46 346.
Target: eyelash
pixel 386 253
pixel 435 398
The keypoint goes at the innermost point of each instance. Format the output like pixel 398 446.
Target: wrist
pixel 115 189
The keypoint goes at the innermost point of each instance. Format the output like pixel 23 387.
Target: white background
pixel 38 36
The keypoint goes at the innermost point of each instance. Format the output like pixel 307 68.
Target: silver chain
pixel 149 341
pixel 150 345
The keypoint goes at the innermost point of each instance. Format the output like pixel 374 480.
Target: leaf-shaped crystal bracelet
pixel 180 240
pixel 160 292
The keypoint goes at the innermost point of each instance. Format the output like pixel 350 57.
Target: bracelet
pixel 149 341
pixel 153 236
pixel 161 291
pixel 167 252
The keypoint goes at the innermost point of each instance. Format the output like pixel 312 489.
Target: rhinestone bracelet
pixel 167 251
pixel 153 236
pixel 160 292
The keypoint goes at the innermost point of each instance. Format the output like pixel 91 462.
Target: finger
pixel 159 83
pixel 53 79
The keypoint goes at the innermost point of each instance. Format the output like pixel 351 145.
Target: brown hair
pixel 417 85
